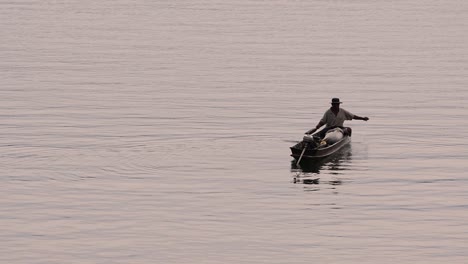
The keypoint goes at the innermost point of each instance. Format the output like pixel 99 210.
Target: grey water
pixel 159 131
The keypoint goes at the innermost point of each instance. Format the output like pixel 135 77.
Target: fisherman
pixel 335 117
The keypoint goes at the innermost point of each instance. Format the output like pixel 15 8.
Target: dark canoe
pixel 318 152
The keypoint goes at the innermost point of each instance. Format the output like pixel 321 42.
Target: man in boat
pixel 335 117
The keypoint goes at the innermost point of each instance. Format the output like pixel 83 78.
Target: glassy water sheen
pixel 159 131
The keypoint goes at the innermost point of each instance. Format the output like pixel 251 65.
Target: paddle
pixel 312 132
pixel 300 157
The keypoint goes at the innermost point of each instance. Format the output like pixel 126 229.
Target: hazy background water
pixel 159 131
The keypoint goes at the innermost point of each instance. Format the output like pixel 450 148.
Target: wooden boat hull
pixel 320 152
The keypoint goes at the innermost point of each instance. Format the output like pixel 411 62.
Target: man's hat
pixel 336 101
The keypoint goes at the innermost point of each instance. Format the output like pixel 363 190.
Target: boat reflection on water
pixel 308 170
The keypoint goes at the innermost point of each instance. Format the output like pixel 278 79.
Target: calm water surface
pixel 159 131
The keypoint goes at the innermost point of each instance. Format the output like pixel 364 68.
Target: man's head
pixel 335 102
